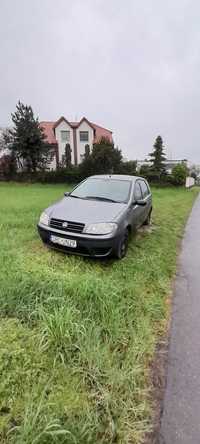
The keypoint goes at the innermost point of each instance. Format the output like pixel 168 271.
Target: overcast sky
pixel 132 66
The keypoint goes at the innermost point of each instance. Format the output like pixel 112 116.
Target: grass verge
pixel 77 335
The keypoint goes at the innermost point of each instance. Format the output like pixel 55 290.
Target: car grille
pixel 74 227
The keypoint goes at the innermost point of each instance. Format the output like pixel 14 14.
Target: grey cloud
pixel 132 66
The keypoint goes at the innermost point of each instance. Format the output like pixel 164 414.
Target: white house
pixel 3 152
pixel 169 164
pixel 79 135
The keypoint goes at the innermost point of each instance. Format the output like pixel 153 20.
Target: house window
pixel 65 136
pixel 84 136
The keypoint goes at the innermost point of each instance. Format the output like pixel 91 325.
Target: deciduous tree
pixel 179 174
pixel 104 159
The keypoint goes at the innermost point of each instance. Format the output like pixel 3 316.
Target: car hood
pixel 85 211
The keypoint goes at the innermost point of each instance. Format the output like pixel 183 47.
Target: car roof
pixel 115 176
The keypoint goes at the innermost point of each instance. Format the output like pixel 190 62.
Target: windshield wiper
pixel 106 199
pixel 76 197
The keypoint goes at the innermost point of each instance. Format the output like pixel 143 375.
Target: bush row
pixel 72 174
pixel 69 175
pixel 75 174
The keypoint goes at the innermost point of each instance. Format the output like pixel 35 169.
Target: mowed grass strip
pixel 77 335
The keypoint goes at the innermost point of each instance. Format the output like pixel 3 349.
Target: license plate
pixel 71 243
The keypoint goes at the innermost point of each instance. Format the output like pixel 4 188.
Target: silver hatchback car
pixel 97 216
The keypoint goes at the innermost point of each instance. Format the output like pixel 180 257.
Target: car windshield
pixel 105 189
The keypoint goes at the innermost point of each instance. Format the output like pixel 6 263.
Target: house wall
pixel 81 145
pixel 53 164
pixel 63 126
pixel 169 164
pixel 6 151
pixel 190 182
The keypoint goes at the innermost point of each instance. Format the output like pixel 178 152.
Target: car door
pixel 136 210
pixel 146 196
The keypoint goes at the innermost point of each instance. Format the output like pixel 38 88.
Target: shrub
pixel 104 159
pixel 179 174
pixel 163 179
pixel 69 175
pixel 7 165
pixel 145 171
pixel 128 167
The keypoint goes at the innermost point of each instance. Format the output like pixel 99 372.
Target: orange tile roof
pixel 48 128
pixel 48 131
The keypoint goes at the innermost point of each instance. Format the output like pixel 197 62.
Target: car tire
pixel 122 246
pixel 45 242
pixel 148 219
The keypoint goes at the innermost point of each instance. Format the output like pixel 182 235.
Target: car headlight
pixel 44 219
pixel 101 228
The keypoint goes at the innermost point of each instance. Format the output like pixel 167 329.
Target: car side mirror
pixel 140 202
pixel 66 193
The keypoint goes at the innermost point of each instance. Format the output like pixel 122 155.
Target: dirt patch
pixel 158 368
pixel 158 376
pixel 147 228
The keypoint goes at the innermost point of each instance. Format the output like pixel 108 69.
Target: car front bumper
pixel 94 246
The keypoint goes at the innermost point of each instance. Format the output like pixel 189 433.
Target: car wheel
pixel 45 242
pixel 148 219
pixel 122 245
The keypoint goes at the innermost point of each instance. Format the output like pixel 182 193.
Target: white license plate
pixel 71 243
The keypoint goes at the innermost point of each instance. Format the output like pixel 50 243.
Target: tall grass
pixel 38 425
pixel 86 327
pixel 60 331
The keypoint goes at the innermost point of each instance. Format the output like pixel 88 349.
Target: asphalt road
pixel 181 415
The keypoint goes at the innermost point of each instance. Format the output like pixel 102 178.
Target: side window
pixel 144 187
pixel 137 191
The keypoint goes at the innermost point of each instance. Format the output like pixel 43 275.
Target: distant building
pixel 79 135
pixel 169 163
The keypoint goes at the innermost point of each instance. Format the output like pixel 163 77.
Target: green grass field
pixel 77 335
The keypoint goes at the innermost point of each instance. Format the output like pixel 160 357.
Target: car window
pixel 144 187
pixel 137 191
